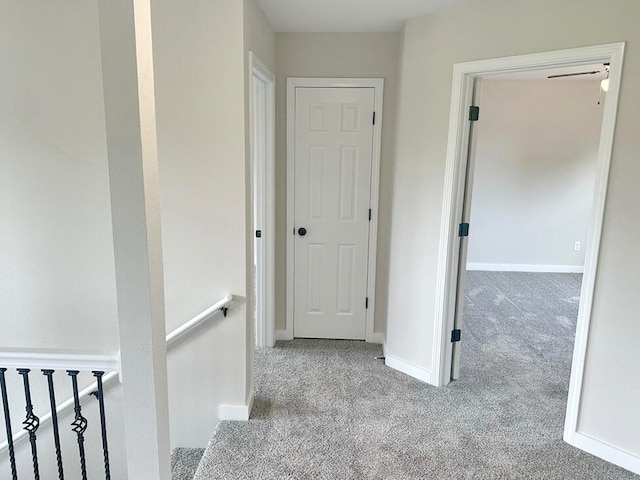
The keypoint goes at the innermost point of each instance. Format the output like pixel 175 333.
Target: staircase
pixel 27 383
pixel 184 462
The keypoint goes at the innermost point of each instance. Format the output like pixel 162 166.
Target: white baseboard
pixel 283 335
pixel 515 267
pixel 607 452
pixel 238 413
pixel 408 368
pixel 376 337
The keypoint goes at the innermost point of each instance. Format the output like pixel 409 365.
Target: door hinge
pixel 374 118
pixel 455 335
pixel 463 231
pixel 474 113
pixel 369 214
pixel 258 233
pixel 366 303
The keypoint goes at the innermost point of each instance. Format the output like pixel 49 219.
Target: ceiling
pixel 345 15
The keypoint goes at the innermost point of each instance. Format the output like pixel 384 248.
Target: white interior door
pixel 333 161
pixel 464 239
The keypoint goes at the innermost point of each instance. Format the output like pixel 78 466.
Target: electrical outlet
pixel 576 246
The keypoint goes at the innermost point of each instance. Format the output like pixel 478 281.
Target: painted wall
pixel 199 74
pixel 260 39
pixel 56 251
pixel 534 173
pixel 490 29
pixel 57 280
pixel 337 55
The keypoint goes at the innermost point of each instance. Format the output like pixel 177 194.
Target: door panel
pixel 333 155
pixel 464 241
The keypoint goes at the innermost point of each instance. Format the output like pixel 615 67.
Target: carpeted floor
pixel 328 410
pixel 184 462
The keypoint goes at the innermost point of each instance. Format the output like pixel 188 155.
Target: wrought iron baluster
pixel 54 420
pixel 80 423
pixel 103 423
pixel 7 422
pixel 32 422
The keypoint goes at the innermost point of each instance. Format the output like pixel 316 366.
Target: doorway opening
pixel 262 128
pixel 459 173
pixel 530 191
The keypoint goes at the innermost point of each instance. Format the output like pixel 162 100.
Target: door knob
pixel 302 231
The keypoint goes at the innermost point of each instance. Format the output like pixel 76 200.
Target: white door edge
pixel 463 73
pixel 264 190
pixel 378 85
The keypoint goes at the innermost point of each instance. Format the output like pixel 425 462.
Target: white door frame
pixel 378 85
pixel 463 74
pixel 263 185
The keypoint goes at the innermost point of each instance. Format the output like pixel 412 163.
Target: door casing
pixel 453 198
pixel 263 192
pixel 378 85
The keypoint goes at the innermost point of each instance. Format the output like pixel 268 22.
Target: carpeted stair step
pixel 184 462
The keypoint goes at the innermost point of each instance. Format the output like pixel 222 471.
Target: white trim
pixel 463 74
pixel 378 85
pixel 238 413
pixel 265 303
pixel 607 452
pixel 615 57
pixel 284 335
pixel 59 360
pixel 407 367
pixel 377 337
pixel 517 267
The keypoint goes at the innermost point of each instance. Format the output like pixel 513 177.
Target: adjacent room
pixel 531 186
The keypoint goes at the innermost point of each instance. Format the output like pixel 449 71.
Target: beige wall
pixel 534 174
pixel 337 55
pixel 494 28
pixel 199 74
pixel 259 36
pixel 56 249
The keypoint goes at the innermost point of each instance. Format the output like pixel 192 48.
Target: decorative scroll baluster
pixel 7 422
pixel 54 420
pixel 32 422
pixel 80 423
pixel 103 423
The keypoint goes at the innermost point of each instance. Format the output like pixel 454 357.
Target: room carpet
pixel 326 409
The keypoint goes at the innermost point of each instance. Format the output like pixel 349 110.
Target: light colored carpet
pixel 328 410
pixel 184 462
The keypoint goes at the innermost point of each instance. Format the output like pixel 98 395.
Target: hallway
pixel 327 409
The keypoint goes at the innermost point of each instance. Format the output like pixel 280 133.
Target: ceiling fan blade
pixel 595 72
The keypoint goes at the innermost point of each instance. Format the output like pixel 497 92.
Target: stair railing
pixel 27 366
pixel 104 368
